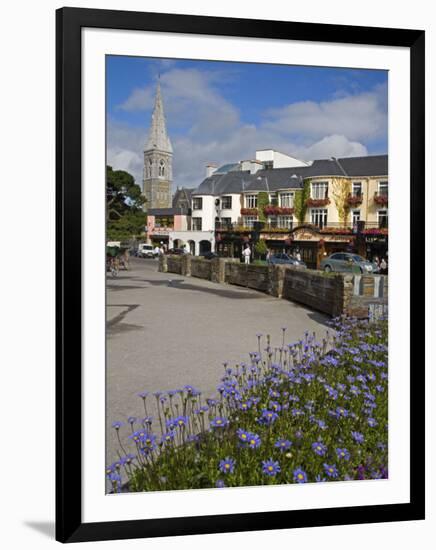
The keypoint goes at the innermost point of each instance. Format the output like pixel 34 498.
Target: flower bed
pixel 304 412
pixel 314 203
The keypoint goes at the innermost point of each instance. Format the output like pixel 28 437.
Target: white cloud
pixel 359 117
pixel 207 127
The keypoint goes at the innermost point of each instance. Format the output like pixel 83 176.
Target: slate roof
pixel 165 211
pixel 291 178
pixel 376 165
pixel 182 195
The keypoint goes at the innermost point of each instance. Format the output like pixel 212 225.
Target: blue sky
pixel 222 112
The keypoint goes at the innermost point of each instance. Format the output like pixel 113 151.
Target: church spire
pixel 158 138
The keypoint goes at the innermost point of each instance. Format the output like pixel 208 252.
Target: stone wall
pixel 201 268
pixel 320 291
pixel 174 264
pixel 250 276
pixel 334 293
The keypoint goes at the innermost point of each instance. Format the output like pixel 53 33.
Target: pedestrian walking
pixel 383 267
pixel 298 256
pixel 246 253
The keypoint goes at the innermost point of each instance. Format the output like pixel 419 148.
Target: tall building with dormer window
pixel 158 159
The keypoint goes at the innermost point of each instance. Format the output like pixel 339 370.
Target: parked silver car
pixel 344 261
pixel 286 259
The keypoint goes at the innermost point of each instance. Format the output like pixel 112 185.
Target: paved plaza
pixel 165 330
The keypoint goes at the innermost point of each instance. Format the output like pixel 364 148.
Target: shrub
pixel 301 412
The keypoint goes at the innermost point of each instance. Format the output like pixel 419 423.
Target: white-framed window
pixel 249 220
pixel 287 200
pixel 226 203
pixel 250 201
pixel 319 189
pixel 273 198
pixel 357 189
pixel 355 216
pixel 272 221
pixel 383 188
pixel 382 216
pixel 318 216
pixel 196 224
pixel 285 222
pixel 226 222
pixel 197 203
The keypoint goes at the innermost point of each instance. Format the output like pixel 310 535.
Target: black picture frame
pixel 69 525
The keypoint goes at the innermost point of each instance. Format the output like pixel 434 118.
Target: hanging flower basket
pixel 249 211
pixel 381 200
pixel 354 200
pixel 314 203
pixel 271 210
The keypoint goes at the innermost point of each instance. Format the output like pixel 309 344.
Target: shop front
pixel 376 244
pixel 313 245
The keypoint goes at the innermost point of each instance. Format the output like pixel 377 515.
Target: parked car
pixel 345 261
pixel 285 259
pixel 146 250
pixel 210 255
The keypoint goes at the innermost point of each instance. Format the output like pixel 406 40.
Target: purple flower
pixel 227 465
pixel 341 412
pixel 254 441
pixel 268 417
pixel 270 467
pixel 300 476
pixel 219 422
pixel 127 459
pixel 372 422
pixel 283 444
pixel 343 454
pixel 331 470
pixel 220 484
pixel 181 421
pixel 117 425
pixel 358 437
pixel 131 419
pixel 168 437
pixel 319 448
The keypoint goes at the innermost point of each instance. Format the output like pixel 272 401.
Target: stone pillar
pixel 218 269
pixel 276 277
pixel 320 252
pixel 163 263
pixel 185 261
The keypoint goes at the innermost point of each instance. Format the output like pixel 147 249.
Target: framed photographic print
pixel 240 308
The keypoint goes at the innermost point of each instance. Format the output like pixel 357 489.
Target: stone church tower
pixel 158 160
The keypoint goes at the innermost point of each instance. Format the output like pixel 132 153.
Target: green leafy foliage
pixel 125 218
pixel 262 201
pixel 260 248
pixel 300 198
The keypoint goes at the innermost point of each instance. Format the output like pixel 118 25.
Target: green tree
pixel 260 248
pixel 125 217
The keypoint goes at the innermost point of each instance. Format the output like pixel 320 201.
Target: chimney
pixel 210 169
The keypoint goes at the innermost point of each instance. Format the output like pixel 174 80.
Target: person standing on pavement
pixel 246 254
